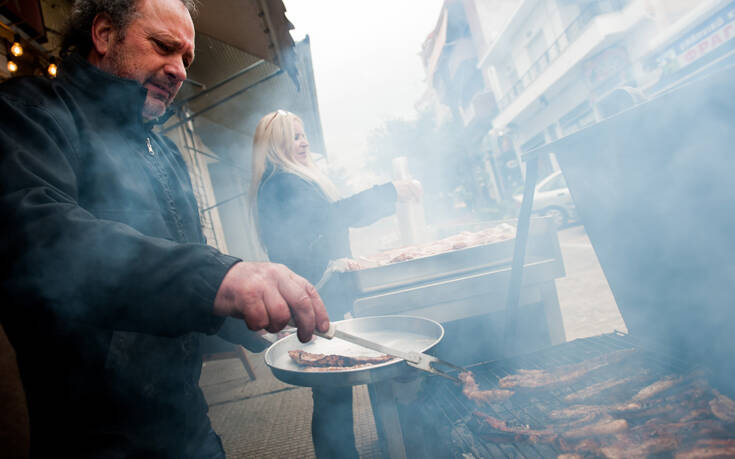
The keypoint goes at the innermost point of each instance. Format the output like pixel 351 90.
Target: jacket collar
pixel 123 98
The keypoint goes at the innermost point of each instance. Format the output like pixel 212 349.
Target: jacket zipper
pixel 150 147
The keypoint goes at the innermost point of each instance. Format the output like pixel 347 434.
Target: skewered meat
pixel 625 447
pixel 723 407
pixel 465 239
pixel 518 433
pixel 656 388
pixel 709 448
pixel 534 379
pixel 604 427
pixel 595 389
pixel 639 418
pixel 583 446
pixel 326 361
pixel 575 411
pixel 472 391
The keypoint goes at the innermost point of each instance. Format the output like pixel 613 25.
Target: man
pixel 107 283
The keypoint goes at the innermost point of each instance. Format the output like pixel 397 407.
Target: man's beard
pixel 118 64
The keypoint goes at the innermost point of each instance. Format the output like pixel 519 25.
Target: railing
pixel 569 36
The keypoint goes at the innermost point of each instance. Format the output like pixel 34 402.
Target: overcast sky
pixel 366 64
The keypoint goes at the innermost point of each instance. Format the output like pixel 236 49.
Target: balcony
pixel 569 36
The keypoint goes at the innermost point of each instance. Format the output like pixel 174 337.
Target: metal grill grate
pixel 531 409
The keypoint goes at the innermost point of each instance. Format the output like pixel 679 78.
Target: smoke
pixel 653 187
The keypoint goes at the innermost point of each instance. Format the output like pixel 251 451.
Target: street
pixel 587 304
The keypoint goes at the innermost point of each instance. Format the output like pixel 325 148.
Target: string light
pixel 12 66
pixel 16 49
pixel 52 68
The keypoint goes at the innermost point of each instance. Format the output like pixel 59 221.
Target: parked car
pixel 552 198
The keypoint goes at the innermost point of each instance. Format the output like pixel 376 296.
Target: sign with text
pixel 715 32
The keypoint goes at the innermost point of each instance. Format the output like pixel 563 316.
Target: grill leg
pixel 387 422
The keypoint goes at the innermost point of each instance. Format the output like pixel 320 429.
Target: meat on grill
pixel 595 389
pixel 605 426
pixel 643 419
pixel 655 388
pixel 518 433
pixel 472 391
pixel 709 448
pixel 536 379
pixel 626 447
pixel 327 362
pixel 465 239
pixel 723 407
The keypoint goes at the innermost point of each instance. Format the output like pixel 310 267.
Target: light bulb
pixel 16 49
pixel 52 70
pixel 12 66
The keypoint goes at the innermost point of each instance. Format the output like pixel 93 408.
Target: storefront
pixel 703 46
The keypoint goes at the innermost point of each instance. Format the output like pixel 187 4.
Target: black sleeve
pixel 365 207
pixel 60 257
pixel 296 221
pixel 236 331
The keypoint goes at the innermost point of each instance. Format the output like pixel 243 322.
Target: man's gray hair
pixel 77 35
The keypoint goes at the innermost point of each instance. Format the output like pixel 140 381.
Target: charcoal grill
pixel 456 432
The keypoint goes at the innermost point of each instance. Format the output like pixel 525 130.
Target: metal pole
pixel 221 83
pixel 220 102
pixel 217 158
pixel 225 201
pixel 519 255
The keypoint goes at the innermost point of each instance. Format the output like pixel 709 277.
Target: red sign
pixel 708 44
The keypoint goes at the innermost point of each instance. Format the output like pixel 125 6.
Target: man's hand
pixel 267 295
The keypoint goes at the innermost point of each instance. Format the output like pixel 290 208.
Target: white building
pixel 523 73
pixel 554 59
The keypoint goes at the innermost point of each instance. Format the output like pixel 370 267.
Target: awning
pixel 257 27
pixel 434 45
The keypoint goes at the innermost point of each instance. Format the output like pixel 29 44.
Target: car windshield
pixel 555 183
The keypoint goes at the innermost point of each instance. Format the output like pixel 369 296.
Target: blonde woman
pixel 303 224
pixel 301 220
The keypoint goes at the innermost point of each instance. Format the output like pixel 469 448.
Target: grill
pixel 462 434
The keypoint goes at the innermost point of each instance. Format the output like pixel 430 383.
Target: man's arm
pixel 76 266
pixel 267 295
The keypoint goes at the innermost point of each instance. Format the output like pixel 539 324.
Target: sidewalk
pixel 265 418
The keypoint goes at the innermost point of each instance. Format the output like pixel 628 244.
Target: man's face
pixel 157 49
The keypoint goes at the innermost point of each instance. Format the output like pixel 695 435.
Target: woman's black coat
pixel 300 228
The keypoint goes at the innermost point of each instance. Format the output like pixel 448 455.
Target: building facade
pixel 551 67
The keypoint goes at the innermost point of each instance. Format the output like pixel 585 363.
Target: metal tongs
pixel 418 360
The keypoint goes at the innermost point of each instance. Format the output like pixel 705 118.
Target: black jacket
pixel 300 228
pixel 106 277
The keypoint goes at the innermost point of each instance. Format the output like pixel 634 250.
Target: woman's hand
pixel 267 295
pixel 408 190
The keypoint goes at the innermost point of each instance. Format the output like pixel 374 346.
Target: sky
pixel 367 66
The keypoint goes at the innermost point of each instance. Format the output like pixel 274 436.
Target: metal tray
pixel 408 333
pixel 449 264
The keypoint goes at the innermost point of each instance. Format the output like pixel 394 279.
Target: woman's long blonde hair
pixel 273 143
